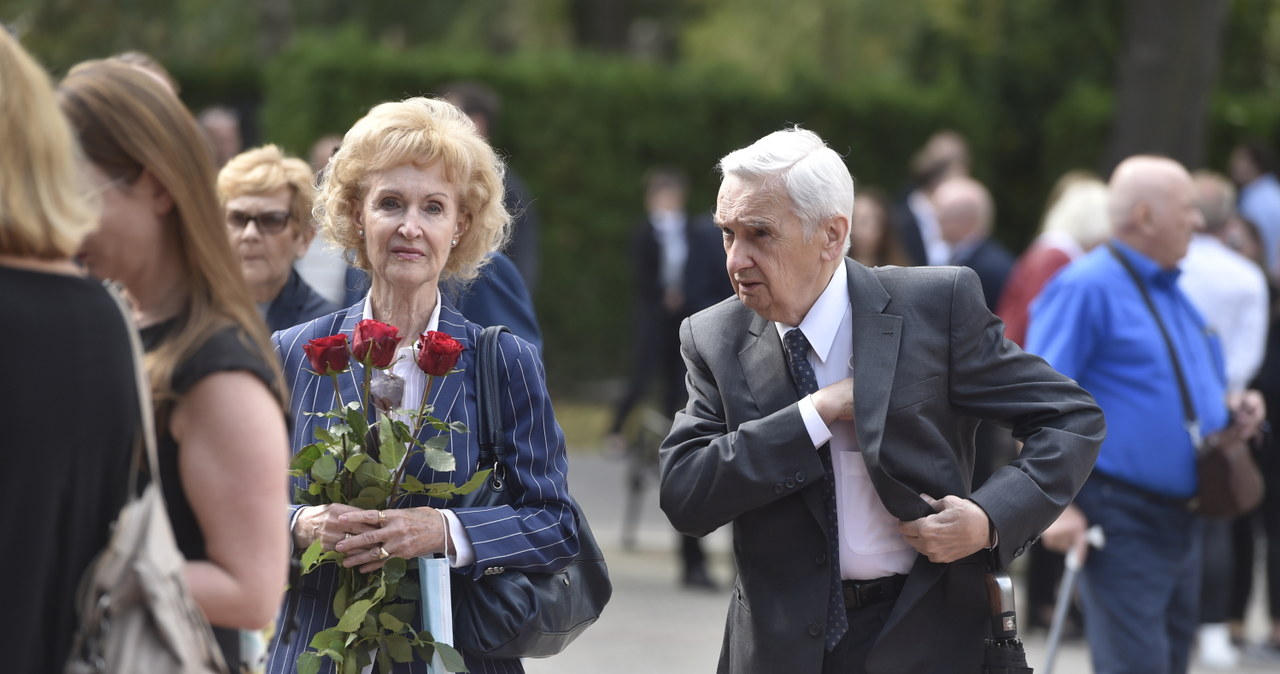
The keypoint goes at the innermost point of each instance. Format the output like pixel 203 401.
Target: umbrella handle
pixel 1004 619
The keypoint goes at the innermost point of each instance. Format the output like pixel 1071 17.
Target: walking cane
pixel 1092 537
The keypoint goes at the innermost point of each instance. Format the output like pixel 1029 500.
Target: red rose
pixel 375 343
pixel 438 353
pixel 328 355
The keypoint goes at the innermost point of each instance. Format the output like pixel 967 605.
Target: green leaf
pixel 384 661
pixel 440 442
pixel 354 462
pixel 306 457
pixel 373 473
pixel 390 622
pixel 412 485
pixel 308 662
pixel 341 599
pixel 371 498
pixel 439 460
pixel 399 649
pixel 451 658
pixel 324 469
pixel 327 639
pixel 354 615
pixel 394 569
pixel 406 589
pixel 355 419
pixel 405 612
pixel 315 488
pixel 477 480
pixel 311 556
pixel 393 452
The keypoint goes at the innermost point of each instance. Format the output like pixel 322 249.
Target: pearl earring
pixel 454 244
pixel 361 233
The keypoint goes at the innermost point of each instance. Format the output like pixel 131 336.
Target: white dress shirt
pixel 870 545
pixel 406 367
pixel 669 227
pixel 936 249
pixel 1231 294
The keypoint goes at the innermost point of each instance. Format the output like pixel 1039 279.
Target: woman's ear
pixel 161 200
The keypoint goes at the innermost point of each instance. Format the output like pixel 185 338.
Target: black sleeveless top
pixel 69 409
pixel 226 350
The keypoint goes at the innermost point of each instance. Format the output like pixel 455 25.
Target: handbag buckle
pixel 497 477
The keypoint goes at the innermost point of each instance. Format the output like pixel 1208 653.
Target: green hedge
pixel 582 130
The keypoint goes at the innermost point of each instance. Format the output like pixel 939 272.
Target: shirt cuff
pixel 463 553
pixel 818 431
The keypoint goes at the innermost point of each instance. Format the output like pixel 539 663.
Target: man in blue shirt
pixel 1141 592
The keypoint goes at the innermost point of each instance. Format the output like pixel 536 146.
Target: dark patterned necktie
pixel 806 383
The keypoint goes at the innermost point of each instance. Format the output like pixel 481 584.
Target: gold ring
pixel 382 553
pixel 382 518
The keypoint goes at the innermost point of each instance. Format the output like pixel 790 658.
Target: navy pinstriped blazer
pixel 538 534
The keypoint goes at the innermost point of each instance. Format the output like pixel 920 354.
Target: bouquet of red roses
pixel 359 459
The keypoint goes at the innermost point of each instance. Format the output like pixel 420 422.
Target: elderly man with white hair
pixel 1117 321
pixel 831 419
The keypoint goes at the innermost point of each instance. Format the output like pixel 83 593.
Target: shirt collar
pixel 822 322
pixel 1147 268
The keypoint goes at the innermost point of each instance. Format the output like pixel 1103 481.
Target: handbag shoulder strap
pixel 493 450
pixel 145 411
pixel 1188 408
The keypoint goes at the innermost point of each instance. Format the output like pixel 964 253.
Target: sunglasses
pixel 270 222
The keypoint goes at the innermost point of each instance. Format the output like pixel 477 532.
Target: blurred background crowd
pixel 980 132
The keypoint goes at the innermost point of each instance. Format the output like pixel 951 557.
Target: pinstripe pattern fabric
pixel 538 533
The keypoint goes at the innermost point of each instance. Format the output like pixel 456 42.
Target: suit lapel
pixel 876 339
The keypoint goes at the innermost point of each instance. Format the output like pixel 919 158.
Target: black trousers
pixel 850 655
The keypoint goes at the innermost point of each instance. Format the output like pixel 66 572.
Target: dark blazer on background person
pixel 535 534
pixel 498 296
pixel 704 281
pixel 993 264
pixel 296 303
pixel 929 362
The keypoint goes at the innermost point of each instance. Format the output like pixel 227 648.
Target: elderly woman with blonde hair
pixel 267 200
pixel 414 195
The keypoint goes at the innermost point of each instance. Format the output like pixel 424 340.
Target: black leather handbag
pixel 515 614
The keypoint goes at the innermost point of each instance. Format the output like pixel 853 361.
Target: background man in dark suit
pixel 846 465
pixel 676 263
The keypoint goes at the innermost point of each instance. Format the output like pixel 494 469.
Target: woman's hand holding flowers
pixel 405 532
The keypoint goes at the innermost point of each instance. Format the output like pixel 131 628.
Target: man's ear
pixel 834 232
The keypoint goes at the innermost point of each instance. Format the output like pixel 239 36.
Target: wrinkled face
pixel 410 216
pixel 266 257
pixel 774 270
pixel 130 235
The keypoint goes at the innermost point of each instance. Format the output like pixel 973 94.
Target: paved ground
pixel 652 625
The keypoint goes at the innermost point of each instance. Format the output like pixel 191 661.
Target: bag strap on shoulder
pixel 493 450
pixel 1188 408
pixel 145 411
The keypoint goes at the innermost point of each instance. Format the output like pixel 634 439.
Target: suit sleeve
pixel 711 474
pixel 1059 423
pixel 538 532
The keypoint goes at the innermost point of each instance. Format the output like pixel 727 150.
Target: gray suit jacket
pixel 929 362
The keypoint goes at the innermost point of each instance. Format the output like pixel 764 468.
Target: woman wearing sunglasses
pixel 266 200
